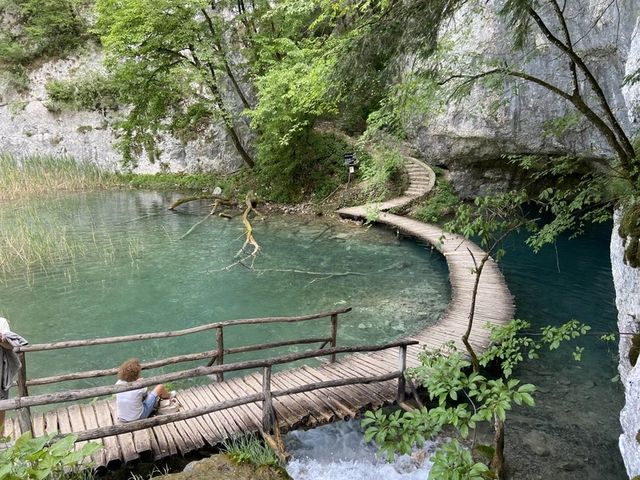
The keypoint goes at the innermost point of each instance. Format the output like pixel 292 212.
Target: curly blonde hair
pixel 129 371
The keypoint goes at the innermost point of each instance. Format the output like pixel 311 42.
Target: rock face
pixel 27 128
pixel 473 136
pixel 627 284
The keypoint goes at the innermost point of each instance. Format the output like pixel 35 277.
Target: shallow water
pixel 134 274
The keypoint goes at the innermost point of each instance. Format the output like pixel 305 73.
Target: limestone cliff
pixel 471 137
pixel 27 127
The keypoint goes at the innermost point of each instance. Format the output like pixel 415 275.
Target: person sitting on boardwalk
pixel 137 404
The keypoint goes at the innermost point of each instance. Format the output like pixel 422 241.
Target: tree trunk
pixel 497 462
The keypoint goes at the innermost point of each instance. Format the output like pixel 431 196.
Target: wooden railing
pixel 265 397
pixel 214 358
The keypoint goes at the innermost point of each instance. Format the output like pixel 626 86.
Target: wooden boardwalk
pixel 305 410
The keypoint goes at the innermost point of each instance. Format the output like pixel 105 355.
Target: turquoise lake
pixel 132 273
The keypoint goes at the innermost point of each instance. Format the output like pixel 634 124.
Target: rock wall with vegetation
pixel 32 124
pixel 477 130
pixel 627 284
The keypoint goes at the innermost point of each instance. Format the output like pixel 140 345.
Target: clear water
pixel 572 432
pixel 136 275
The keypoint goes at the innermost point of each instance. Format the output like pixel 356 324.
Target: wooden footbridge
pixel 352 379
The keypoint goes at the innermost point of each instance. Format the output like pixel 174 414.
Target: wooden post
pixel 220 357
pixel 402 366
pixel 24 414
pixel 334 335
pixel 267 401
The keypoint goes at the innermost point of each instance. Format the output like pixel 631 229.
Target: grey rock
pixel 537 442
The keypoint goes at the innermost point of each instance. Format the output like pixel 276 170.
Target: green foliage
pixel 175 181
pixel 92 91
pixel 311 166
pixel 453 461
pixel 465 398
pixel 442 202
pixel 171 64
pixel 629 230
pixel 491 218
pixel 39 459
pixel 39 29
pixel 381 170
pixel 249 449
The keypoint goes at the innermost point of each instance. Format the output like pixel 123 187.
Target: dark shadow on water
pixel 573 430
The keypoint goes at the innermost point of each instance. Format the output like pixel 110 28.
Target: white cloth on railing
pixel 9 361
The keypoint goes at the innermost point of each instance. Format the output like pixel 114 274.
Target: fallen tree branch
pixel 213 209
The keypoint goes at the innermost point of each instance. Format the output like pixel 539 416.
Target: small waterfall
pixel 338 452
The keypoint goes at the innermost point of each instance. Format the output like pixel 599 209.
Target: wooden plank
pixel 51 422
pixel 91 421
pixel 241 425
pixel 202 423
pixel 250 412
pixel 346 393
pixel 125 440
pixel 182 441
pixel 190 433
pixel 370 392
pixel 113 455
pixel 320 413
pixel 319 398
pixel 288 409
pixel 37 423
pixel 63 421
pixel 333 394
pixel 77 424
pixel 225 425
pixel 218 433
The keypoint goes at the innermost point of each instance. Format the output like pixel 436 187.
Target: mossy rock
pixel 629 230
pixel 634 351
pixel 221 467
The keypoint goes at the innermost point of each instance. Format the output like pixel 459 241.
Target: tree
pixel 173 63
pixel 464 398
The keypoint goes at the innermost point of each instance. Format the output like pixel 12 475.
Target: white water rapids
pixel 337 452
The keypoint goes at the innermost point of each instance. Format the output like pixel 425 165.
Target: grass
pixel 249 449
pixel 43 175
pixel 440 204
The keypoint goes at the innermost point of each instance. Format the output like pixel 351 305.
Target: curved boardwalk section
pixel 309 409
pixel 494 302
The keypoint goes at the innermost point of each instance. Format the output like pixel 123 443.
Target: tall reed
pixel 42 175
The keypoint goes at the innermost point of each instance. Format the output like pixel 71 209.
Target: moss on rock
pixel 221 467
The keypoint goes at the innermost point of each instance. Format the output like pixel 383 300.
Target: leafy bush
pixel 93 91
pixel 311 165
pixel 381 170
pixel 441 203
pixel 36 459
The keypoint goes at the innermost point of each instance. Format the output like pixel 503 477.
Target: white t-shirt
pixel 129 404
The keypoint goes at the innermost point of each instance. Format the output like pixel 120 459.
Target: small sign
pixel 350 160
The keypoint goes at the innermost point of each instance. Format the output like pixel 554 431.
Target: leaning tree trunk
pixel 497 462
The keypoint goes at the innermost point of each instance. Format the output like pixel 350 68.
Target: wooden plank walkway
pixel 306 410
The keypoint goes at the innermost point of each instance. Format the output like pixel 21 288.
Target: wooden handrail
pixel 173 360
pixel 73 395
pixel 176 333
